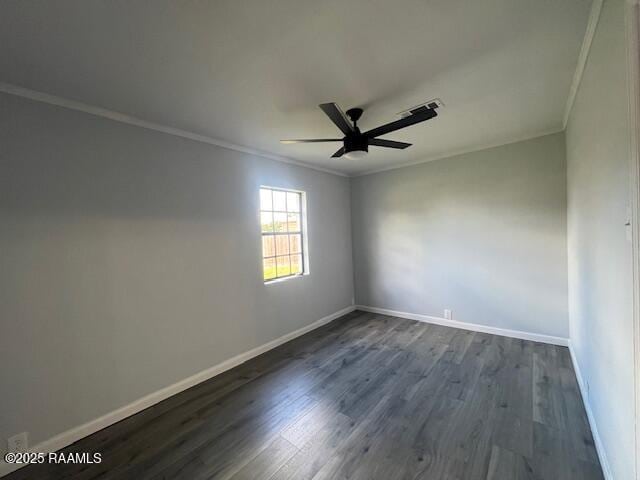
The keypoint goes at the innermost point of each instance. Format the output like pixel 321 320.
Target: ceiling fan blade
pixel 380 142
pixel 311 140
pixel 402 123
pixel 337 116
pixel 339 153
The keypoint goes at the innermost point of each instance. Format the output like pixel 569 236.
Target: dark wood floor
pixel 365 397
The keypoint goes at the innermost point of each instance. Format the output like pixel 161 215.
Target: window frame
pixel 304 249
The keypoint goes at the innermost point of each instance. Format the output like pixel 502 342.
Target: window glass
pixel 281 225
pixel 293 202
pixel 266 220
pixel 283 266
pixel 268 246
pixel 265 200
pixel 269 268
pixel 279 201
pixel 280 221
pixel 295 243
pixel 296 264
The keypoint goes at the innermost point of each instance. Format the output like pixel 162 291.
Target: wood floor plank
pixel 548 407
pixel 267 462
pixel 507 464
pixel 554 456
pixel 321 446
pixel 577 428
pixel 367 396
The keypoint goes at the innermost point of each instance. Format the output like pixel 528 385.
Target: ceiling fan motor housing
pixel 356 142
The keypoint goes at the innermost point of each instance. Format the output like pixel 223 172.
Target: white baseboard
pixel 536 337
pixel 73 435
pixel 604 463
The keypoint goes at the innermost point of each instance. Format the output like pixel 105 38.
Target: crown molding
pixel 463 151
pixel 138 122
pixel 594 16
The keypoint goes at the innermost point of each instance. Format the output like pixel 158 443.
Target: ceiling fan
pixel 356 143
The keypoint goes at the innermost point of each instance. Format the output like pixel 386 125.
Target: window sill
pixel 284 279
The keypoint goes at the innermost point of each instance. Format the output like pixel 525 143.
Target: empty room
pixel 301 239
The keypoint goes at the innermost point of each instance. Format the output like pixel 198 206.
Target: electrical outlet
pixel 447 314
pixel 18 443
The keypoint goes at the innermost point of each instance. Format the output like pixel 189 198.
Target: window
pixel 283 229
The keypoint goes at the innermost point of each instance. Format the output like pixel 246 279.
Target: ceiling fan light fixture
pixel 356 154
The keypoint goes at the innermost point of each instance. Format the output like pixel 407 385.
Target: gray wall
pixel 482 234
pixel 600 276
pixel 130 260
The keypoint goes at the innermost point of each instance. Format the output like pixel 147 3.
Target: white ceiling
pixel 253 71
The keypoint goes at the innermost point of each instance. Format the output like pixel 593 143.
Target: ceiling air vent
pixel 430 105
